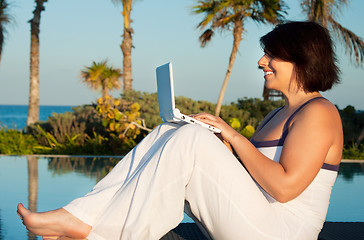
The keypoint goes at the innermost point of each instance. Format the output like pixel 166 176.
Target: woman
pixel 280 191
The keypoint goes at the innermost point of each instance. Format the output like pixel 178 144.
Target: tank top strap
pixel 270 118
pixel 288 122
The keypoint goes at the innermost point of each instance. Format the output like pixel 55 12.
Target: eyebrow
pixel 268 53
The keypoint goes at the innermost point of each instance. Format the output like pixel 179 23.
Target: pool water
pixel 47 183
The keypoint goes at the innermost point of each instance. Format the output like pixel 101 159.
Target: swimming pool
pixel 46 183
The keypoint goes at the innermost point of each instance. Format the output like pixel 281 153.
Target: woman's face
pixel 278 74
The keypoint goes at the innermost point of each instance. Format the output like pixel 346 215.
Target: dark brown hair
pixel 309 46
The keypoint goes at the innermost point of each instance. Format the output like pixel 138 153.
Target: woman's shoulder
pixel 319 123
pixel 320 108
pixel 321 111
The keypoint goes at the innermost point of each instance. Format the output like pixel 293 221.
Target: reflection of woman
pixel 280 191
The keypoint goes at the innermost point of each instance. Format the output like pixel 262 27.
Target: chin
pixel 267 85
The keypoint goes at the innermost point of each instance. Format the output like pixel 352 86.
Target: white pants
pixel 144 196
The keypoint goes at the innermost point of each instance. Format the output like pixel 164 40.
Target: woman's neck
pixel 294 100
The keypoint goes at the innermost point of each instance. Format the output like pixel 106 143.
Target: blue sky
pixel 76 32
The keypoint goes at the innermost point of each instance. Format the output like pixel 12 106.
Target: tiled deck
pixel 330 231
pixel 342 231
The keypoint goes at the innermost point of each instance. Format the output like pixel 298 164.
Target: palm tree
pixel 325 12
pixel 126 45
pixel 32 186
pixel 231 15
pixel 100 75
pixel 33 108
pixel 5 19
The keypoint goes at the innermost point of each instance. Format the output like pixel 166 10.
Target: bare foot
pixel 54 223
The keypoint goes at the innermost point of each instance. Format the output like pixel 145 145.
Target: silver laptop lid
pixel 165 92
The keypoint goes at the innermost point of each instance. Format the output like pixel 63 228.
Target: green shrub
pixel 16 142
pixel 257 107
pixel 248 111
pixel 353 126
pixel 97 129
pixel 353 152
pixel 86 131
pixel 148 102
pixel 68 127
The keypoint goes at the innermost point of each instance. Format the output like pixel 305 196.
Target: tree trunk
pixel 126 47
pixel 105 88
pixel 32 182
pixel 33 108
pixel 238 29
pixel 32 187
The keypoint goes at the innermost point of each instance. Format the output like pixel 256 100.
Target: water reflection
pixel 93 167
pixel 1 227
pixel 32 163
pixel 43 174
pixel 349 170
pixel 100 167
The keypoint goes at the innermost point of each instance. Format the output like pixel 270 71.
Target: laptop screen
pixel 165 90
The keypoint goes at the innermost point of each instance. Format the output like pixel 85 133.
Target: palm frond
pixel 4 15
pixel 206 37
pixel 210 9
pixel 267 11
pixel 315 10
pixel 319 10
pixel 324 13
pixel 100 75
pixel 5 19
pixel 113 75
pixel 354 45
pixel 337 7
pixel 117 2
pixel 223 13
pixel 92 75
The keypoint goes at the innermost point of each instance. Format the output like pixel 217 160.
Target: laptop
pixel 167 109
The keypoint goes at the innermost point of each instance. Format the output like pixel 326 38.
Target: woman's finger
pixel 205 116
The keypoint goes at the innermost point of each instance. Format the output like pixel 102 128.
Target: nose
pixel 263 61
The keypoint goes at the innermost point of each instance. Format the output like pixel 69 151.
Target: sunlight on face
pixel 278 74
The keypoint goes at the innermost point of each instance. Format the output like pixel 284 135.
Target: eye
pixel 268 54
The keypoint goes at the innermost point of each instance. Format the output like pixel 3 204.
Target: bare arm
pixel 311 136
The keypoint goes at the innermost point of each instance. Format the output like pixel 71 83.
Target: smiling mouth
pixel 266 73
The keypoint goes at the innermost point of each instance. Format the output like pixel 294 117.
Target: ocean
pixel 15 116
